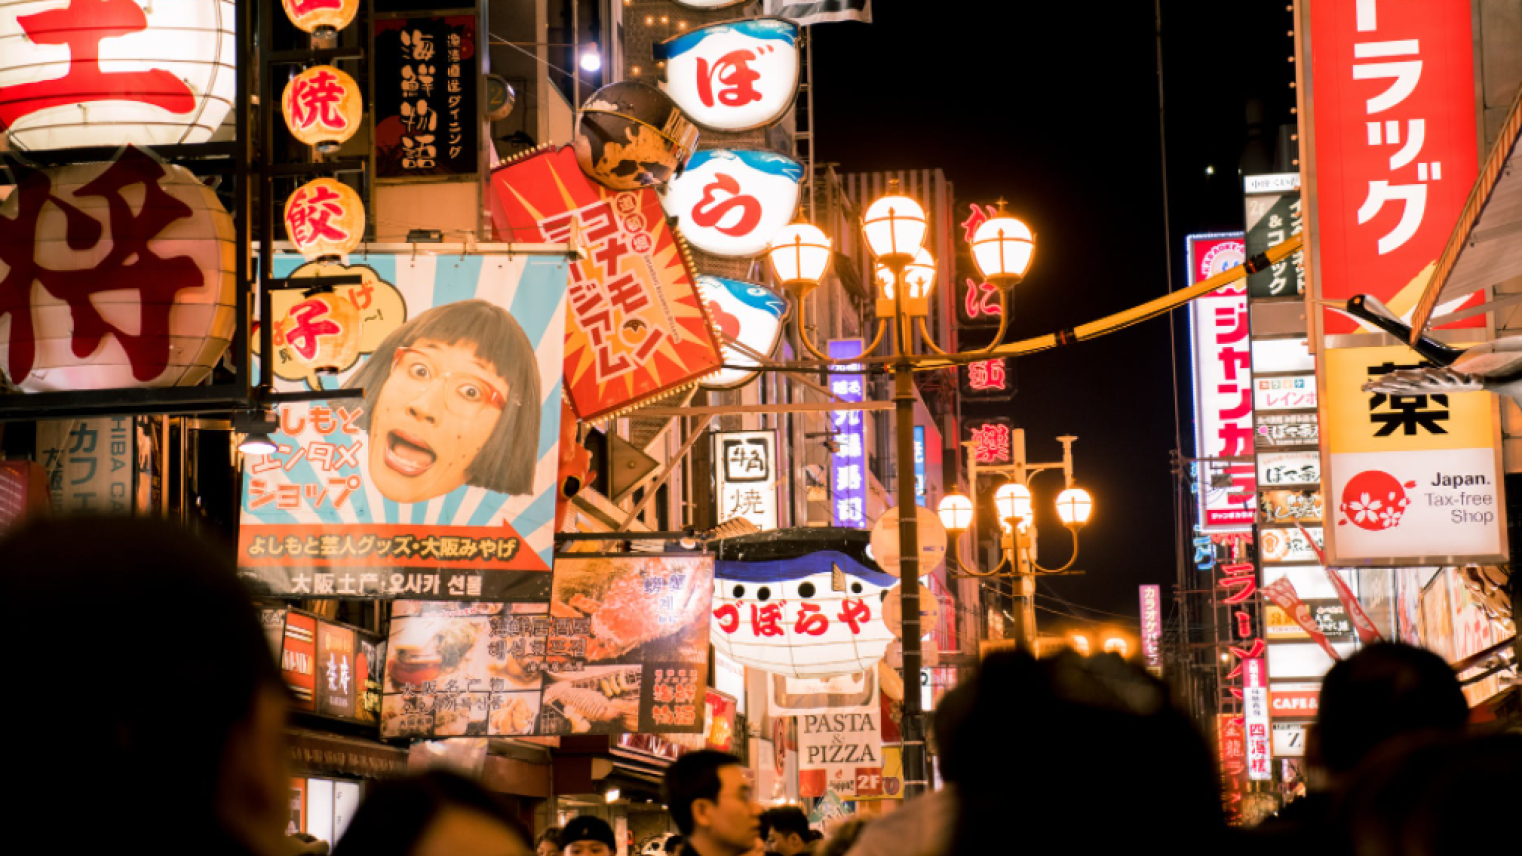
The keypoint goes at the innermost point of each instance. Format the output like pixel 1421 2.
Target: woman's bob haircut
pixel 506 463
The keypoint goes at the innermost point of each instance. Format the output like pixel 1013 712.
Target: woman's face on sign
pixel 438 409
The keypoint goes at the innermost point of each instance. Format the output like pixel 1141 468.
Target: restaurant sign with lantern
pixel 731 202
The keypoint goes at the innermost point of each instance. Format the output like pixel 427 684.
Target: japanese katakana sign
pixel 1223 408
pixel 438 483
pixel 427 120
pixel 848 459
pixel 90 464
pixel 636 326
pixel 621 646
pixel 746 476
pixel 1409 477
pixel 811 617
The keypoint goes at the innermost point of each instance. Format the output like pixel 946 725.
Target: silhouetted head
pixel 437 813
pixel 711 801
pixel 1384 691
pixel 786 830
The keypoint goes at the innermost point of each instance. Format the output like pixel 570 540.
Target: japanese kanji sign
pixel 746 464
pixel 114 274
pixel 636 327
pixel 1394 148
pixel 439 483
pixel 733 76
pixel 731 202
pixel 108 72
pixel 622 646
pixel 993 440
pixel 811 617
pixel 1408 476
pixel 848 461
pixel 328 668
pixel 1223 389
pixel 426 85
pixel 1255 718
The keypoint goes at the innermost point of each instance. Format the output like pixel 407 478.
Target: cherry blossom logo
pixel 1374 500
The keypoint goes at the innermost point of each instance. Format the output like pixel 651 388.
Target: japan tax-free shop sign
pixel 439 483
pixel 1414 479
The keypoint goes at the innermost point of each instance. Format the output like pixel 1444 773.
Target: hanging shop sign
pixel 1409 476
pixel 322 18
pixel 1288 469
pixel 1294 701
pixel 380 307
pixel 637 327
pixel 811 617
pixel 440 482
pixel 840 754
pixel 1288 506
pixel 1327 617
pixel 992 439
pixel 719 727
pixel 1152 629
pixel 1296 392
pixel 630 135
pixel 977 300
pixel 1231 751
pixel 987 379
pixel 115 274
pixel 109 72
pixel 1273 216
pixel 329 668
pixel 1256 720
pixel 730 202
pixel 848 461
pixel 733 76
pixel 1223 396
pixel 747 315
pixel 621 646
pixel 325 219
pixel 1395 148
pixel 1288 739
pixel 91 464
pixel 322 333
pixel 844 693
pixel 747 476
pixel 1286 429
pixel 426 93
pixel 323 107
pixel 1284 546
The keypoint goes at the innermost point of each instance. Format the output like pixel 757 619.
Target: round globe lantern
pixel 321 18
pixel 112 72
pixel 323 107
pixel 325 219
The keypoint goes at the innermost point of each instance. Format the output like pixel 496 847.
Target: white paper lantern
pixel 733 76
pixel 128 272
pixel 106 72
pixel 811 617
pixel 732 202
pixel 321 18
pixel 325 219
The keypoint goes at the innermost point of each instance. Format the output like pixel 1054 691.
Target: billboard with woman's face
pixel 439 482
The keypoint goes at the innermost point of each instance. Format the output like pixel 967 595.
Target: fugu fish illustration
pixel 747 313
pixel 730 202
pixel 811 617
pixel 733 76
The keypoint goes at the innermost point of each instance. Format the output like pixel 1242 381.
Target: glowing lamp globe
pixel 325 219
pixel 920 274
pixel 321 18
pixel 112 72
pixel 1013 501
pixel 1002 248
pixel 323 107
pixel 321 332
pixel 800 254
pixel 955 512
pixel 135 287
pixel 894 227
pixel 1074 506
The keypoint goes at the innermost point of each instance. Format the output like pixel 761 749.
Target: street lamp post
pixel 894 227
pixel 1015 509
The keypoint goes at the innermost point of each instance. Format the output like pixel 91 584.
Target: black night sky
pixel 1054 106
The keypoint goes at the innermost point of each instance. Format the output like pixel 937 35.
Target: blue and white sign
pixel 848 466
pixel 734 76
pixel 747 314
pixel 732 202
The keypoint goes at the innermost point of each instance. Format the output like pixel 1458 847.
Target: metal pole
pixel 913 720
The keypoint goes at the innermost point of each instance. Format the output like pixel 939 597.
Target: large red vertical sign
pixel 1395 146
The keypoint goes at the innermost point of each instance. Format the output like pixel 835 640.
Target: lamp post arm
pixel 929 342
pixel 803 336
pixel 992 343
pixel 1025 548
pixel 970 567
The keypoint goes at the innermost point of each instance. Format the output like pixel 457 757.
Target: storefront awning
pixel 1485 248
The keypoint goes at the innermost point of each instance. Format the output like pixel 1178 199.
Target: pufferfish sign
pixel 730 202
pixel 810 617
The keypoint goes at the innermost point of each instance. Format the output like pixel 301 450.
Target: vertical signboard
pixel 89 463
pixel 747 476
pixel 427 120
pixel 1274 216
pixel 1223 393
pixel 1152 628
pixel 1255 718
pixel 919 465
pixel 848 464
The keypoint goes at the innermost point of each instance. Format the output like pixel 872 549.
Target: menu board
pixel 426 110
pixel 622 646
pixel 330 669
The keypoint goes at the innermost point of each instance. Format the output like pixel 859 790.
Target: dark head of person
pixel 711 802
pixel 548 842
pixel 1045 736
pixel 166 690
pixel 437 813
pixel 587 836
pixel 787 830
pixel 674 845
pixel 1384 691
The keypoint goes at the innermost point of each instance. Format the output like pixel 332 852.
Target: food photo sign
pixel 621 646
pixel 440 482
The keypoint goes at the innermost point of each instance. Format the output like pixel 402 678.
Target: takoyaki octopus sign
pixel 811 617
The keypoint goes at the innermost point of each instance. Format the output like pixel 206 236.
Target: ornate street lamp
pixel 895 227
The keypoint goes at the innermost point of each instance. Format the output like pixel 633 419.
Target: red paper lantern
pixel 325 219
pixel 323 107
pixel 321 18
pixel 321 332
